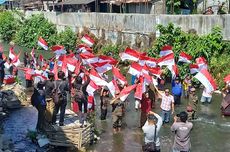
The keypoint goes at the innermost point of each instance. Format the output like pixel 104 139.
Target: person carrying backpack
pixel 60 98
pixel 81 97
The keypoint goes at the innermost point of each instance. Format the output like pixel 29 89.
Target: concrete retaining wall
pixel 131 25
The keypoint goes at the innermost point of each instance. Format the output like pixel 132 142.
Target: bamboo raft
pixel 70 135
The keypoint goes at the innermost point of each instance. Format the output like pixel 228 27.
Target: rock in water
pixel 10 100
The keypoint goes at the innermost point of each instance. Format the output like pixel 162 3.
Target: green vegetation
pixel 8 26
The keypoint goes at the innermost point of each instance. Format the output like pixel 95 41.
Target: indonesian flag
pixel 113 87
pixel 96 78
pixel 12 54
pixel 32 53
pixel 87 40
pixel 126 91
pixel 58 49
pixel 194 68
pixel 202 63
pixel 41 76
pixel 174 70
pixel 166 50
pixel 110 60
pixel 91 88
pixel 135 69
pixel 82 48
pixel 55 71
pixel 42 43
pixel 185 58
pixel 116 72
pixel 88 58
pixel 151 62
pixel 130 54
pixel 139 91
pixel 16 62
pixel 156 71
pixel 166 60
pixel 71 64
pixel 77 68
pixel 227 79
pixel 207 80
pixel 102 67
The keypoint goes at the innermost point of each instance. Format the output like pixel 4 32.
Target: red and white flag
pixel 139 91
pixel 87 40
pixel 102 67
pixel 12 54
pixel 110 60
pixel 156 71
pixel 130 54
pixel 183 57
pixel 174 70
pixel 117 74
pixel 88 58
pixel 166 50
pixel 58 49
pixel 126 91
pixel 113 88
pixel 42 43
pixel 202 63
pixel 32 53
pixel 82 48
pixel 135 69
pixel 91 88
pixel 166 60
pixel 227 79
pixel 194 68
pixel 96 78
pixel 16 62
pixel 72 63
pixel 206 79
pixel 151 62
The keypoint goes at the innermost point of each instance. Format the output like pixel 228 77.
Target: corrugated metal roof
pixel 125 1
pixel 72 2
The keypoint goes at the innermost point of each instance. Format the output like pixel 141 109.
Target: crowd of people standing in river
pixel 54 87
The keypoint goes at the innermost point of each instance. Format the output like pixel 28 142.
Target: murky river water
pixel 210 133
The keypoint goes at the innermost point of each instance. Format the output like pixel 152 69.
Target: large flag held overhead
pixel 117 74
pixel 166 50
pixel 42 43
pixel 151 62
pixel 110 60
pixel 87 40
pixel 207 80
pixel 126 91
pixel 202 63
pixel 91 88
pixel 96 78
pixel 83 48
pixel 88 58
pixel 130 54
pixel 58 49
pixel 113 88
pixel 194 68
pixel 156 71
pixel 135 69
pixel 183 57
pixel 102 67
pixel 166 60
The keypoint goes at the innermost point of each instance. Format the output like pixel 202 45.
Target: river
pixel 210 132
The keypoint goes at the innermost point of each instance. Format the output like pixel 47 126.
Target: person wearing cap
pixel 151 131
pixel 177 90
pixel 182 128
pixel 193 103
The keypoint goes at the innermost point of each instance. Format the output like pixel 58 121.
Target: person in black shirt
pixel 104 103
pixel 61 86
pixel 2 69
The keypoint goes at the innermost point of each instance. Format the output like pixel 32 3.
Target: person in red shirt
pixel 146 106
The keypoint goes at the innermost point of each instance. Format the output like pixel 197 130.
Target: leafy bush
pixel 32 28
pixel 8 26
pixel 66 38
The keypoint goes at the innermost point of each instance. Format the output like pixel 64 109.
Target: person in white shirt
pixel 206 96
pixel 151 132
